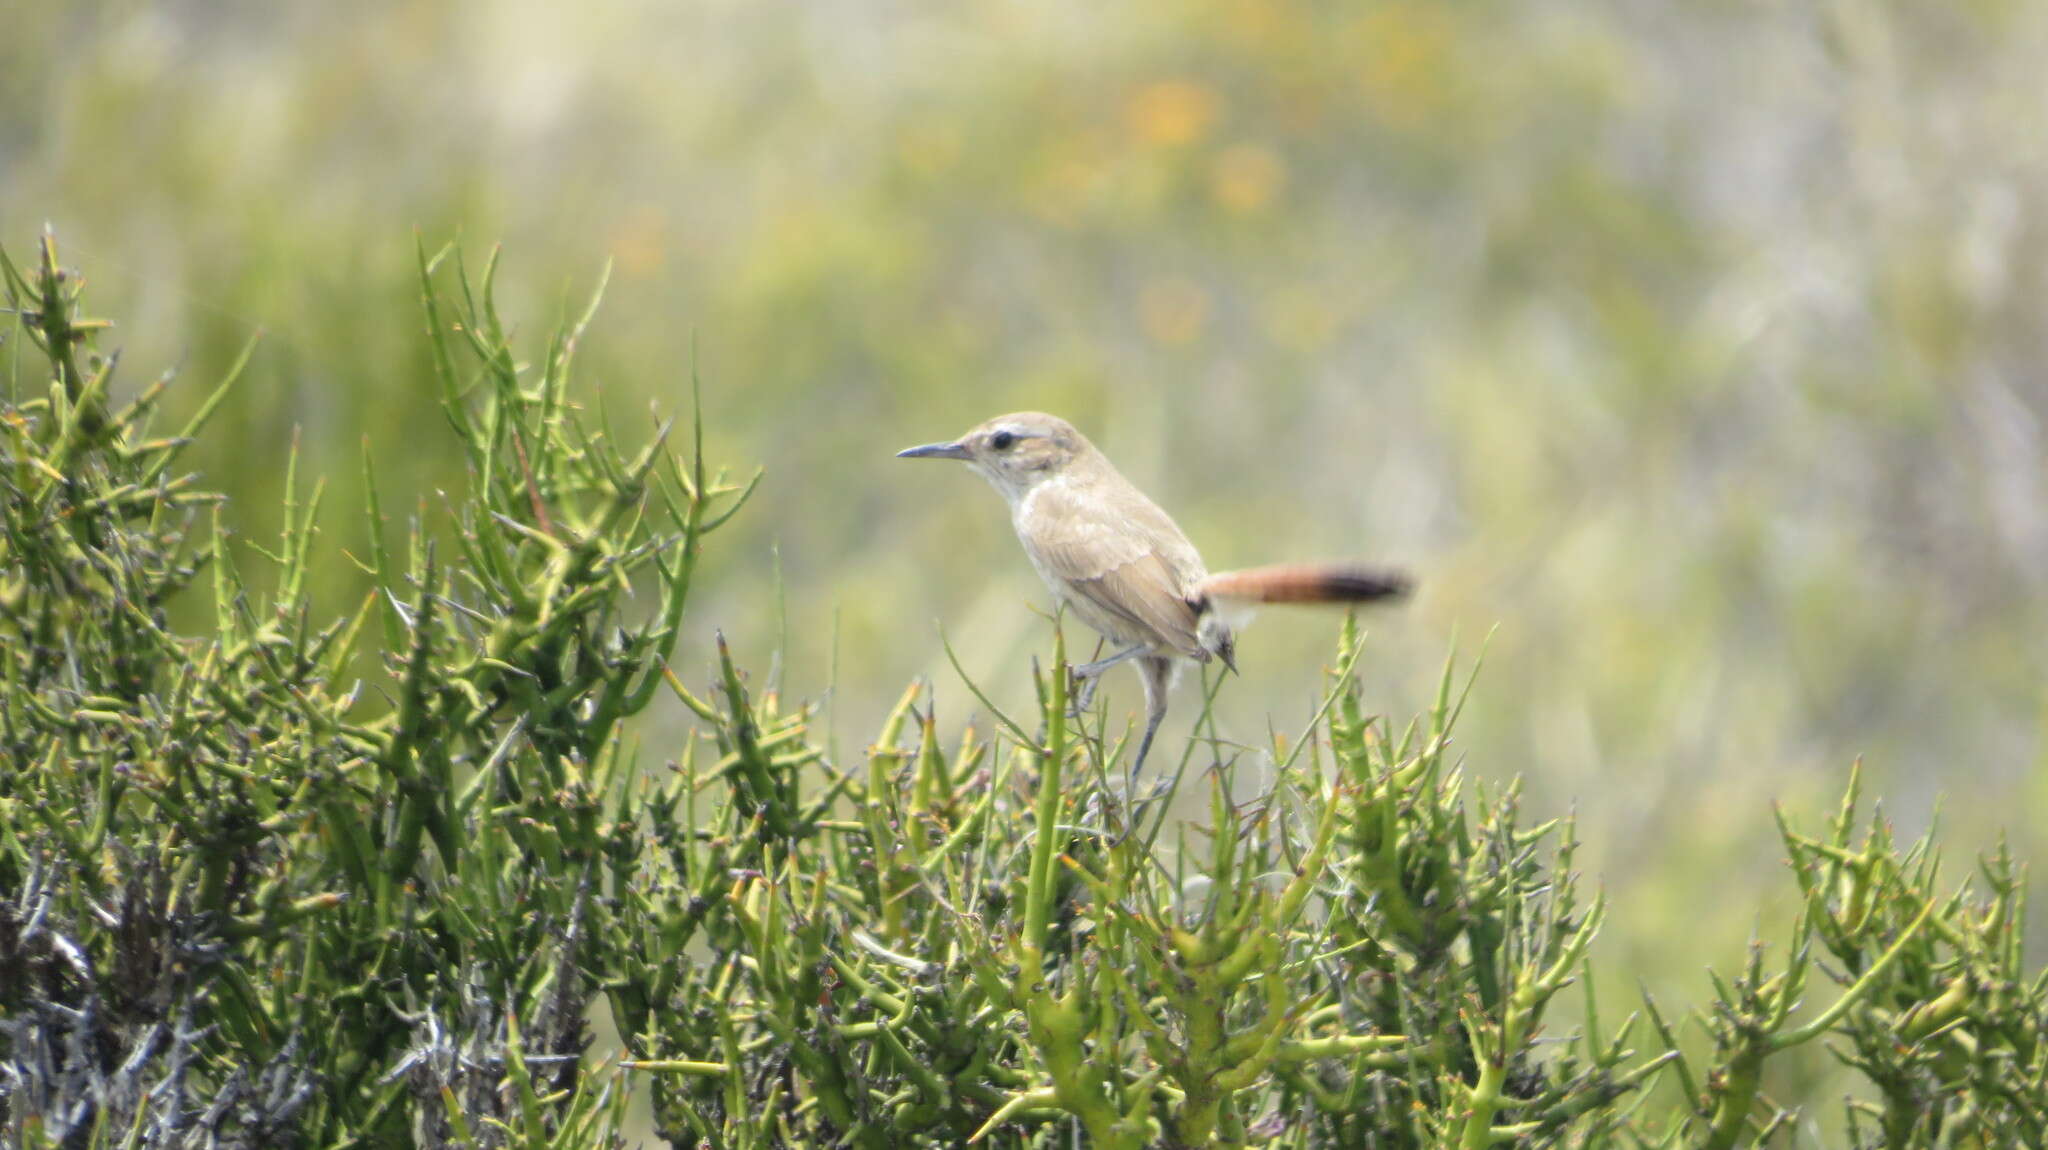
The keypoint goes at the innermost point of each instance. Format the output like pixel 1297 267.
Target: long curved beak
pixel 934 451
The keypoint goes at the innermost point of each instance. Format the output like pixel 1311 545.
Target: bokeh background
pixel 1693 349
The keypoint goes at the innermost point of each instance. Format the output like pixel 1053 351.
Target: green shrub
pixel 247 899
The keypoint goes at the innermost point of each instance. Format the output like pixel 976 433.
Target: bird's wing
pixel 1132 565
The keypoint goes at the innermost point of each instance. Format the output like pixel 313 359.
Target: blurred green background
pixel 1697 347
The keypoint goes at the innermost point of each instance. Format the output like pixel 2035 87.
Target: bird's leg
pixel 1085 675
pixel 1090 670
pixel 1157 672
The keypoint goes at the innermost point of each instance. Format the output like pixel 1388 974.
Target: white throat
pixel 1015 489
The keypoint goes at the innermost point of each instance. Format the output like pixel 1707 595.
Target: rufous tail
pixel 1307 583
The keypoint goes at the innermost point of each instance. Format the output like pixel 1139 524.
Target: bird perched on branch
pixel 1119 562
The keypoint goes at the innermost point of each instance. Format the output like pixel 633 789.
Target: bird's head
pixel 1015 452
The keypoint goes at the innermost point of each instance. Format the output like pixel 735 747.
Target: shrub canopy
pixel 362 880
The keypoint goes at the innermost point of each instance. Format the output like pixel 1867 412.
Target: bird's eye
pixel 1001 440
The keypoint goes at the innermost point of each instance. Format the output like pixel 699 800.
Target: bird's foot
pixel 1080 693
pixel 1095 812
pixel 1136 806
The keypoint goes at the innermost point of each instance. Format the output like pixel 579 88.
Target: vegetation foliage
pixel 247 899
pixel 1697 348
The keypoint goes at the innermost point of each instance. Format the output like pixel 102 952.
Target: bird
pixel 1122 565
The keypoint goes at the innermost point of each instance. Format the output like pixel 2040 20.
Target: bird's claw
pixel 1080 695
